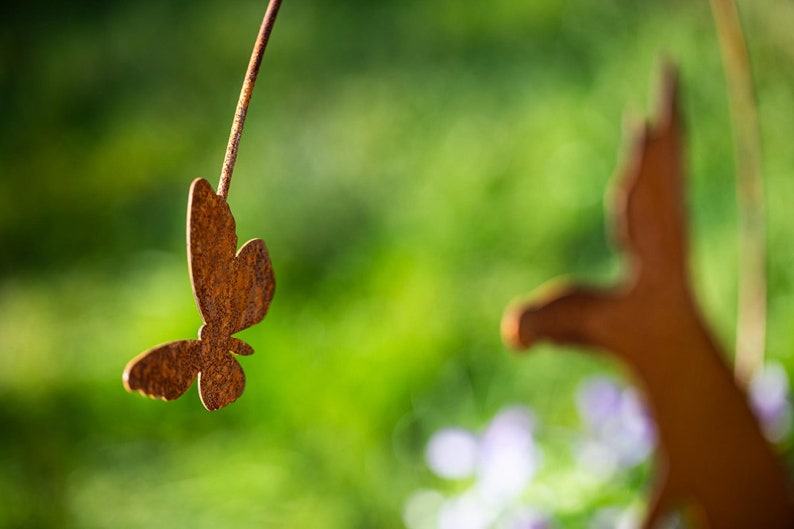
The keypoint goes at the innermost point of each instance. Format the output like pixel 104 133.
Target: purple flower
pixel 768 395
pixel 598 401
pixel 508 457
pixel 620 432
pixel 502 460
pixel 452 453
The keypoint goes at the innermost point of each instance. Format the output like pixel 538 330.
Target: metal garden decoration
pixel 233 289
pixel 713 461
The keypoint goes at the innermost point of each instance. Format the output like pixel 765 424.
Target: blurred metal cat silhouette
pixel 713 460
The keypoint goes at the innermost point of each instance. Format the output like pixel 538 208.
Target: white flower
pixel 508 457
pixel 452 453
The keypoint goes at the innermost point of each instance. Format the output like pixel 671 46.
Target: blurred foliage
pixel 413 166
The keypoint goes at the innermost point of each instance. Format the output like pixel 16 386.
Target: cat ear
pixel 166 371
pixel 221 382
pixel 651 205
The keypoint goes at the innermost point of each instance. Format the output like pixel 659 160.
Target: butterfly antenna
pixel 245 96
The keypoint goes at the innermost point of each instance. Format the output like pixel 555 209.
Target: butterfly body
pixel 233 291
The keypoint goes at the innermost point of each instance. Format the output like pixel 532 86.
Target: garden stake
pixel 751 313
pixel 713 460
pixel 233 290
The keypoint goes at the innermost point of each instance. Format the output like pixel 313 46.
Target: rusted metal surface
pixel 233 291
pixel 713 460
pixel 245 95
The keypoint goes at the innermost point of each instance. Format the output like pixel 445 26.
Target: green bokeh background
pixel 412 166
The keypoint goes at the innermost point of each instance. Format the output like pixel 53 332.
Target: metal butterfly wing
pixel 165 371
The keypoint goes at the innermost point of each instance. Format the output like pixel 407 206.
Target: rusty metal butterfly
pixel 233 290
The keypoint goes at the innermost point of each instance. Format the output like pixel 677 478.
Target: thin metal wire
pixel 751 320
pixel 245 96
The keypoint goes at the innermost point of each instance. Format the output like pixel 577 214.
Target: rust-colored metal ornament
pixel 713 460
pixel 233 289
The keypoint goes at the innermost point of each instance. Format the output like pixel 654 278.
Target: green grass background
pixel 412 166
